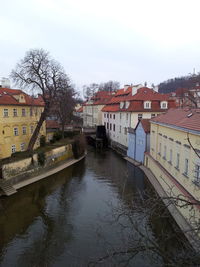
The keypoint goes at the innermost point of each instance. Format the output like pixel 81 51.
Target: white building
pixel 92 109
pixel 129 105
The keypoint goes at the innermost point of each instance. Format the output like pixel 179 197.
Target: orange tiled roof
pixel 137 101
pixel 100 98
pixel 146 125
pixel 52 124
pixel 184 118
pixel 7 98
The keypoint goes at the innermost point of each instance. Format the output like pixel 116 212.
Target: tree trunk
pixel 36 131
pixel 63 130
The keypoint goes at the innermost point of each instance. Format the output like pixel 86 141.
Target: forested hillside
pixel 181 82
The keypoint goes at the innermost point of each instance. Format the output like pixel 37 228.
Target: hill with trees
pixel 172 85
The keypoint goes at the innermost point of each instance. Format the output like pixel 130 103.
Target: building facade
pixel 127 107
pixel 174 156
pixel 92 109
pixel 19 114
pixel 139 140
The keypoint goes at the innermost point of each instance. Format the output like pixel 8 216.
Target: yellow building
pixel 174 157
pixel 19 114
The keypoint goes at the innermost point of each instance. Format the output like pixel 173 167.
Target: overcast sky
pixel 96 41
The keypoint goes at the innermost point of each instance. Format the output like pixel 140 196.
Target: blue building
pixel 139 140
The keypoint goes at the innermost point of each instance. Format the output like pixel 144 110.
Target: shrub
pixel 79 146
pixel 41 158
pixel 57 136
pixel 42 141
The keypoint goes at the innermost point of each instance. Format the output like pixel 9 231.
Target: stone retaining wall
pixel 29 166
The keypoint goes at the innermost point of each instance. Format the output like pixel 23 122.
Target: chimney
pixel 126 86
pixel 135 88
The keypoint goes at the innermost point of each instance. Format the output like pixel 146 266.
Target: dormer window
pixel 121 105
pixel 127 104
pixel 147 104
pixel 163 104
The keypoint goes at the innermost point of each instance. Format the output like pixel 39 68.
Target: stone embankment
pixel 24 172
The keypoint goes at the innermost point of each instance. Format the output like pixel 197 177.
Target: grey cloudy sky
pixel 128 41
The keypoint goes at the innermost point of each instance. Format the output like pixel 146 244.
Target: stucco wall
pixel 192 215
pixel 8 123
pixel 29 165
pixel 166 138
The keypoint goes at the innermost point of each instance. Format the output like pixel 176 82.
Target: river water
pixel 68 219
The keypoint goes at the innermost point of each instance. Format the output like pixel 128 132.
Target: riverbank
pixel 181 221
pixel 9 189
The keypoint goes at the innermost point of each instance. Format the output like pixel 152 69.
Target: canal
pixel 84 215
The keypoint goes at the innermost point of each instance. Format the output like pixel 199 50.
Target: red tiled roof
pixel 123 92
pixel 7 98
pixel 111 108
pixel 100 98
pixel 180 91
pixel 184 118
pixel 137 101
pixel 146 125
pixel 146 94
pixel 51 124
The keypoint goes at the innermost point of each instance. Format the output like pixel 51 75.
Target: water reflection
pixel 60 221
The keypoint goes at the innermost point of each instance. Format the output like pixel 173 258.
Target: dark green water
pixel 67 219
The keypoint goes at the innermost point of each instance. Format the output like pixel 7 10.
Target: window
pixel 159 152
pixel 125 130
pixel 114 116
pixel 111 116
pixel 120 129
pixel 114 127
pixel 177 160
pixel 15 112
pixel 107 125
pixel 24 130
pixel 15 131
pixel 107 115
pixel 13 149
pixel 153 116
pixel 22 146
pixel 186 167
pixel 139 116
pixel 23 112
pixel 31 112
pixel 110 126
pixel 126 116
pixel 197 174
pixel 5 112
pixel 120 115
pixel 163 104
pixel 147 104
pixel 31 128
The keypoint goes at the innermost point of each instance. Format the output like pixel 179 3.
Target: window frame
pixel 16 131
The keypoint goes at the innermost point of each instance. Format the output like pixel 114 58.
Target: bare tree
pixel 38 71
pixel 90 90
pixel 64 105
pixel 144 214
pixel 109 86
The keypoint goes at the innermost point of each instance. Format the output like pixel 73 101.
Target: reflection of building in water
pixel 32 203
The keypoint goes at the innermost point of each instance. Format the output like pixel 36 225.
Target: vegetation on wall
pixel 41 158
pixel 79 146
